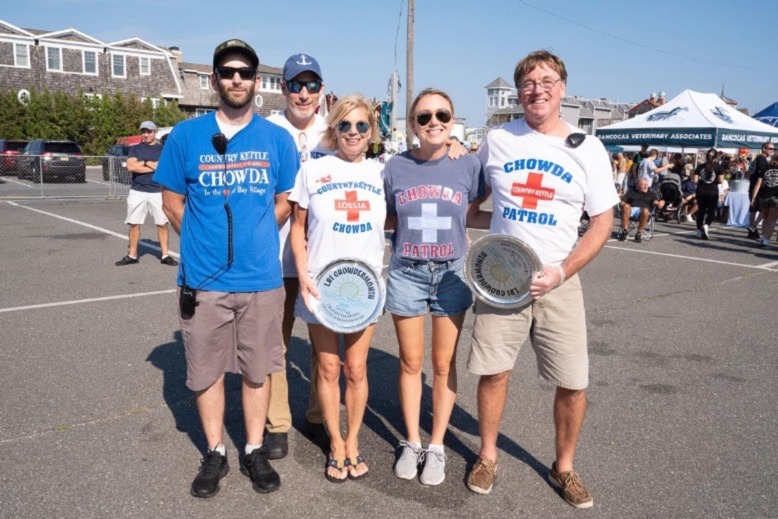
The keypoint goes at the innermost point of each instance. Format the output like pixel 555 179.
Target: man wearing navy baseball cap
pixel 302 86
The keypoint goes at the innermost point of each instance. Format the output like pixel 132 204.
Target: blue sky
pixel 623 50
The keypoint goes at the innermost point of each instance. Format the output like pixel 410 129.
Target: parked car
pixel 49 160
pixel 9 150
pixel 117 156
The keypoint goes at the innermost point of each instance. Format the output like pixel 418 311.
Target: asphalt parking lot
pixel 97 422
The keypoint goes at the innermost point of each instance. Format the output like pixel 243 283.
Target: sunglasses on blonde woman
pixel 345 126
pixel 424 118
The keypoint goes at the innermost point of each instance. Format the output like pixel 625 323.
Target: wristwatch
pixel 144 164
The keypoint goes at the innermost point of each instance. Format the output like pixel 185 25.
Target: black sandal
pixel 353 462
pixel 341 465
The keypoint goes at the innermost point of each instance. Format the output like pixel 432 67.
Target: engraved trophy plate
pixel 499 270
pixel 351 295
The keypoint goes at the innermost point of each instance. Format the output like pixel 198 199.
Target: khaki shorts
pixel 140 203
pixel 233 333
pixel 556 327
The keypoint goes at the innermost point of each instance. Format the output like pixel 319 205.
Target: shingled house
pixel 70 61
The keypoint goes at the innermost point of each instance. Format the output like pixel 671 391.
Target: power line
pixel 397 33
pixel 636 44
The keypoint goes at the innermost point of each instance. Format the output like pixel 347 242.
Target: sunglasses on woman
pixel 246 73
pixel 345 127
pixel 296 87
pixel 424 118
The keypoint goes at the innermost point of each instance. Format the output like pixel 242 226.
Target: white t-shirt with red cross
pixel 541 186
pixel 346 210
pixel 309 147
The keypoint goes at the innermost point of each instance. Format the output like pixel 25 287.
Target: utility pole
pixel 409 77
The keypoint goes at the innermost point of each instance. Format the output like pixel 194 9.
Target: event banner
pixel 686 137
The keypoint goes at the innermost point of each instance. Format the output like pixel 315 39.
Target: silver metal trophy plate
pixel 351 295
pixel 499 270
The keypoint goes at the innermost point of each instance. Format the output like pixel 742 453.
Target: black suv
pixel 46 160
pixel 117 157
pixel 9 149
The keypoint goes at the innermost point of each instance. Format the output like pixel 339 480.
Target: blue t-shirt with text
pixel 261 161
pixel 430 199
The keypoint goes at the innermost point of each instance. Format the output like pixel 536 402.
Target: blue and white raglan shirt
pixel 541 186
pixel 261 161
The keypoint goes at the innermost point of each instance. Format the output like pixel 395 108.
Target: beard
pixel 230 98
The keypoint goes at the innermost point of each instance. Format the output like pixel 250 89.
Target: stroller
pixel 674 203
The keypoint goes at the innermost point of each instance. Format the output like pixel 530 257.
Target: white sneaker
pixel 407 465
pixel 434 466
pixel 705 231
pixel 689 218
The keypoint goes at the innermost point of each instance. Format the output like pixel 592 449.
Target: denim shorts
pixel 412 286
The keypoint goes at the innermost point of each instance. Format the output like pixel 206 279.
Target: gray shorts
pixel 233 333
pixel 556 327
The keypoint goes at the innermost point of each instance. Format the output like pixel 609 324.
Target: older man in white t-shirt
pixel 542 173
pixel 302 85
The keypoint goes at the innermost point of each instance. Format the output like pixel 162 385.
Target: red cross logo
pixel 532 191
pixel 352 206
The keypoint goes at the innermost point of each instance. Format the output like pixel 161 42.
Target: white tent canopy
pixel 691 120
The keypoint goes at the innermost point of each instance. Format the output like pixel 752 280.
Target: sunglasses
pixel 424 118
pixel 345 127
pixel 246 73
pixel 296 87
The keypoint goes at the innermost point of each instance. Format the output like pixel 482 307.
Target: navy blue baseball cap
pixel 298 64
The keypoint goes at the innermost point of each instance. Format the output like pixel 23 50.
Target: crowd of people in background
pixel 712 172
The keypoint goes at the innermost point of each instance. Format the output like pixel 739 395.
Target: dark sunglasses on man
pixel 246 73
pixel 345 127
pixel 296 87
pixel 424 118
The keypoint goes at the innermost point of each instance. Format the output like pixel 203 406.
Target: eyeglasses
pixel 296 87
pixel 769 149
pixel 545 84
pixel 424 118
pixel 345 127
pixel 246 73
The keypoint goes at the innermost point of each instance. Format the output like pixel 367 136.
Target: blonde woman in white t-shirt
pixel 316 241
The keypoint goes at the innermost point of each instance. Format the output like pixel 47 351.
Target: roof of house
pixel 499 83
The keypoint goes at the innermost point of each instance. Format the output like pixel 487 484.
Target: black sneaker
pixel 256 467
pixel 638 238
pixel 623 236
pixel 753 234
pixel 127 260
pixel 277 445
pixel 168 260
pixel 213 467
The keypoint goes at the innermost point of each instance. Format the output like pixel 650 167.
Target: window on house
pixel 155 102
pixel 271 84
pixel 53 58
pixel 276 112
pixel 118 66
pixel 22 55
pixel 145 66
pixel 90 62
pixel 204 82
pixel 202 111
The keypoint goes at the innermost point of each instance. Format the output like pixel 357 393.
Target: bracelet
pixel 561 273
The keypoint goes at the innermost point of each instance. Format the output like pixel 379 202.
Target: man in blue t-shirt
pixel 226 177
pixel 145 195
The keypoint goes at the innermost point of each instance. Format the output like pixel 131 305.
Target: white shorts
pixel 139 204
